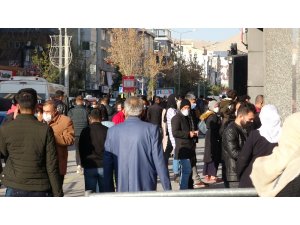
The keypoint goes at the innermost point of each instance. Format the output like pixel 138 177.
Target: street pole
pixel 179 65
pixel 60 56
pixel 66 62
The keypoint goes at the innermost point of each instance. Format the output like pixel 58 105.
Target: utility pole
pixel 67 62
pixel 59 58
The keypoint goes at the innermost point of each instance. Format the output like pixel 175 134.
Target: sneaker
pixel 79 170
pixel 176 178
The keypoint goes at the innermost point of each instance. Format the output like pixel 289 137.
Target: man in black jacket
pixel 154 112
pixel 233 139
pixel 183 134
pixel 91 149
pixel 32 164
pixel 194 120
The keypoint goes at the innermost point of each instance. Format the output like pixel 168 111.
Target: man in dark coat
pixel 183 134
pixel 233 139
pixel 79 117
pixel 154 112
pixel 32 164
pixel 91 149
pixel 134 150
pixel 194 120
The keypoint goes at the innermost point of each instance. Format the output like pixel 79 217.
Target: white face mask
pixel 193 105
pixel 185 112
pixel 47 117
pixel 216 110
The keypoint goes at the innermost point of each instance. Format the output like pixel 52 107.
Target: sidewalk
pixel 74 183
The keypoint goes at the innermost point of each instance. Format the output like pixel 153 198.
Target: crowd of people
pixel 126 148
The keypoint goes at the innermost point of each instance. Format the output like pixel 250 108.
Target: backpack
pixel 202 127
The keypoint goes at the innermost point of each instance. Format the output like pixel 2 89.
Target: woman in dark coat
pixel 260 142
pixel 212 151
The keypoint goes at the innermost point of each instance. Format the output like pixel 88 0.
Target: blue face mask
pixel 193 106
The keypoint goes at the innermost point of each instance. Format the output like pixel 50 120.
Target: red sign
pixel 128 84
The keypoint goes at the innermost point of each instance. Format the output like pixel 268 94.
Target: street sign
pixel 162 92
pixel 128 84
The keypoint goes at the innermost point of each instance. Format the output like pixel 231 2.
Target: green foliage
pixel 42 61
pixel 216 90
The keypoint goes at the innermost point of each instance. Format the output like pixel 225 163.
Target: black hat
pixel 185 102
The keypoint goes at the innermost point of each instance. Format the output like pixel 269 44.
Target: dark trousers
pixel 210 169
pixel 11 192
pixel 167 152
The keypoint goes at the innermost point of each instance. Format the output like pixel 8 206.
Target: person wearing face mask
pixel 212 149
pixel 194 120
pixel 233 139
pixel 183 134
pixel 63 132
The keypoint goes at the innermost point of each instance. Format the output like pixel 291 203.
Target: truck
pixel 45 90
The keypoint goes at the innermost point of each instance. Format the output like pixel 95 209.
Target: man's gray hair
pixel 190 96
pixel 133 106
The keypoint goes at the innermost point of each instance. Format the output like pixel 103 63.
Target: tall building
pixel 17 46
pixel 90 52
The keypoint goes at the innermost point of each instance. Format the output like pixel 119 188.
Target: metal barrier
pixel 222 192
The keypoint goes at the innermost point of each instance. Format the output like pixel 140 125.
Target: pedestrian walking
pixel 133 150
pixel 79 117
pixel 32 164
pixel 63 132
pixel 91 149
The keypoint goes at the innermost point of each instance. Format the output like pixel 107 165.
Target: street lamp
pixel 180 55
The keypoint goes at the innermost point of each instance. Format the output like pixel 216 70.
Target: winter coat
pixel 233 139
pixel 212 149
pixel 64 136
pixel 134 150
pixel 91 145
pixel 255 146
pixel 32 162
pixel 154 114
pixel 181 128
pixel 79 117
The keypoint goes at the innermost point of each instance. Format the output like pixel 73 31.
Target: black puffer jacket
pixel 233 140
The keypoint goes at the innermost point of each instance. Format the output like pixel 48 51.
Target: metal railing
pixel 219 192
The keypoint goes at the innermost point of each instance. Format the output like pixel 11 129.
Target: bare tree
pixel 126 50
pixel 154 63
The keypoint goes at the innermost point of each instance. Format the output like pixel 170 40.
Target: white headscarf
pixel 270 123
pixel 270 174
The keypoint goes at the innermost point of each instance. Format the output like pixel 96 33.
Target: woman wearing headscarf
pixel 260 142
pixel 278 174
pixel 212 150
pixel 171 111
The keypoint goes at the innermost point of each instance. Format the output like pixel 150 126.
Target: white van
pixel 44 89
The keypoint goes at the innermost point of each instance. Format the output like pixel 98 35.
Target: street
pixel 74 183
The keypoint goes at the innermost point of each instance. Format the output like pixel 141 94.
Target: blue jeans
pixel 176 166
pixel 186 170
pixel 93 179
pixel 11 192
